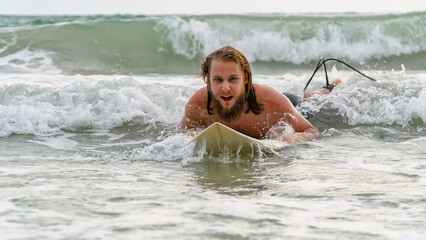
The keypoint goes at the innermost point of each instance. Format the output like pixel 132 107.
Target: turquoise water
pixel 174 44
pixel 90 148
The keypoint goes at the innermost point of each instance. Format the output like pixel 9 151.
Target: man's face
pixel 226 83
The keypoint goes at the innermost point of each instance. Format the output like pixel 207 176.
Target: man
pixel 231 98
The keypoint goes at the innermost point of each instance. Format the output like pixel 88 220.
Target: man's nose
pixel 225 86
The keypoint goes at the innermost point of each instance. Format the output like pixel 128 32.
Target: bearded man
pixel 231 98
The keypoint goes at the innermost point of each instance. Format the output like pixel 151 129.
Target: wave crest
pixel 296 42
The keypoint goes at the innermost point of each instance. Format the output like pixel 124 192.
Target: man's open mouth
pixel 226 99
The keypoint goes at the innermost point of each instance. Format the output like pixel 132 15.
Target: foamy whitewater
pixel 91 149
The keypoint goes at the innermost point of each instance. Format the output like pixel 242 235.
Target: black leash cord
pixel 322 62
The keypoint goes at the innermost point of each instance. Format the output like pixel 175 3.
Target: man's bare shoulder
pixel 281 108
pixel 196 110
pixel 199 98
pixel 267 95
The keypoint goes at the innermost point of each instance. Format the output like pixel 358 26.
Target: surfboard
pixel 218 136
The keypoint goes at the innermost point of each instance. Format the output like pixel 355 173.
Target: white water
pixel 48 104
pixel 101 157
pixel 288 40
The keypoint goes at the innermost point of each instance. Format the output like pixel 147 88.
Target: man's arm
pixel 194 112
pixel 189 120
pixel 286 112
pixel 300 137
pixel 303 129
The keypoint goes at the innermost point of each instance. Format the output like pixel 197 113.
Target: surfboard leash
pixel 322 62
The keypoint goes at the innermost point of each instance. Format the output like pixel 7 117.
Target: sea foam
pixel 43 109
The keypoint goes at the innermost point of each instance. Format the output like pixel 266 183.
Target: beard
pixel 229 114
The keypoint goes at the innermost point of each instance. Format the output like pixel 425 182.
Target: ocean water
pixel 91 149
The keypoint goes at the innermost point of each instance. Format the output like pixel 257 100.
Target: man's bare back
pixel 252 109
